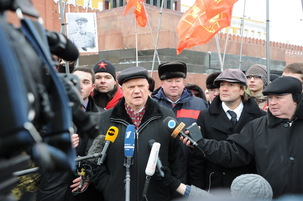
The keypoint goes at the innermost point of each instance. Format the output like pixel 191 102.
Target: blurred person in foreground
pixel 244 187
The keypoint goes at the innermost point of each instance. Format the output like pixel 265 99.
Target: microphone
pixel 159 163
pixel 129 148
pixel 152 160
pixel 61 46
pixel 111 136
pixel 129 141
pixel 170 124
pixel 151 165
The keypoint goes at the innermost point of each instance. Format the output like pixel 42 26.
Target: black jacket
pixel 275 146
pixel 56 185
pixel 85 143
pixel 110 177
pixel 215 124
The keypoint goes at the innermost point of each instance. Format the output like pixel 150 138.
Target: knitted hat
pixel 231 75
pixel 251 186
pixel 172 69
pixel 210 80
pixel 259 70
pixel 132 73
pixel 105 66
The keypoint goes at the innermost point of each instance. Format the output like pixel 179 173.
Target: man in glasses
pixel 256 81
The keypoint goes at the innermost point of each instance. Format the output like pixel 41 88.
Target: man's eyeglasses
pixel 253 76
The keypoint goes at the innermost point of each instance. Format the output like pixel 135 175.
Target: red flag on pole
pixel 202 21
pixel 139 11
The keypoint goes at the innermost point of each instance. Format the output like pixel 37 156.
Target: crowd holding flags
pixel 202 21
pixel 139 11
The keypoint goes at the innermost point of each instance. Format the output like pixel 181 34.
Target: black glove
pixel 168 180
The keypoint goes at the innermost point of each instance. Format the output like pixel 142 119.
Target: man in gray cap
pixel 137 108
pixel 82 38
pixel 273 142
pixel 229 112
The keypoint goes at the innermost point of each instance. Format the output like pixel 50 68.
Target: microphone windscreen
pixel 152 160
pixel 96 147
pixel 172 126
pixel 129 141
pixel 170 123
pixel 112 134
pixel 70 53
pixel 61 46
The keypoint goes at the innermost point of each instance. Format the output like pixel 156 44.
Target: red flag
pixel 201 22
pixel 139 11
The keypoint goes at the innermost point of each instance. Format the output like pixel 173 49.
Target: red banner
pixel 139 11
pixel 202 21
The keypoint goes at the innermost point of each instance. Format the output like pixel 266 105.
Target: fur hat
pixel 105 66
pixel 132 73
pixel 210 80
pixel 251 187
pixel 172 69
pixel 231 75
pixel 259 70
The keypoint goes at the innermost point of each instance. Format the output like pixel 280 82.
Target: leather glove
pixel 168 180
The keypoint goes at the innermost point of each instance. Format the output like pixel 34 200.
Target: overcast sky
pixel 286 24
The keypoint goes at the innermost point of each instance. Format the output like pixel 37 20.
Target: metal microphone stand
pixel 127 164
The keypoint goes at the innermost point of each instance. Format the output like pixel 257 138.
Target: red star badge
pixel 102 65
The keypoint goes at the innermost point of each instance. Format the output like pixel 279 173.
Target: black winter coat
pixel 275 146
pixel 215 124
pixel 110 176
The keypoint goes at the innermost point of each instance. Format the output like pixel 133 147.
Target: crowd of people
pixel 250 128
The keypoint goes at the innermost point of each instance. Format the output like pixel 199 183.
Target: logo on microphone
pixel 111 131
pixel 171 124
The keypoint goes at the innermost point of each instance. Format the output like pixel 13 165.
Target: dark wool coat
pixel 274 145
pixel 215 124
pixel 110 176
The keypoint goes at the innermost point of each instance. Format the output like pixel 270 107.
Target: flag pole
pixel 63 29
pixel 225 46
pixel 157 39
pixel 242 32
pixel 136 34
pixel 153 41
pixel 267 42
pixel 219 52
